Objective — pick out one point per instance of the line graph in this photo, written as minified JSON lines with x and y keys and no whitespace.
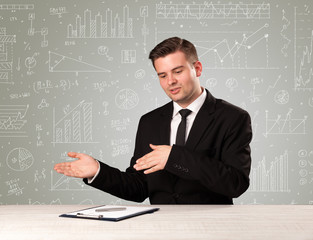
{"x":233,"y":54}
{"x":285,"y":125}
{"x":303,"y":48}
{"x":213,"y":11}
{"x":12,"y":120}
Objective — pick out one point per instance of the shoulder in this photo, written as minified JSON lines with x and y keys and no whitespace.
{"x":165,"y":110}
{"x":229,"y":108}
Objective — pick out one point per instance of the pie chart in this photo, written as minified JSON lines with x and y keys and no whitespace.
{"x":20,"y":159}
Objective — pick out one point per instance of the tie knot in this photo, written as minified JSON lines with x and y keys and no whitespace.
{"x":184,"y":112}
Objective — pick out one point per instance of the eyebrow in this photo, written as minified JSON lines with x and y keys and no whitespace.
{"x":175,"y":68}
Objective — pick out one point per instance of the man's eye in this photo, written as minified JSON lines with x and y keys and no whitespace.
{"x":161,"y":76}
{"x":178,"y":71}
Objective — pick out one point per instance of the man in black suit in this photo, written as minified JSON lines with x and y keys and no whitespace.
{"x":208,"y":163}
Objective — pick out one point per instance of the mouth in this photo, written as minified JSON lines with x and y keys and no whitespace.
{"x":174,"y":90}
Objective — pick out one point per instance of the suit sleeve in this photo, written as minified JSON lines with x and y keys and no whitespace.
{"x":229,"y":174}
{"x":130,"y":185}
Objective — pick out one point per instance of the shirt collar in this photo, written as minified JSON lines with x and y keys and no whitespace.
{"x":194,"y":106}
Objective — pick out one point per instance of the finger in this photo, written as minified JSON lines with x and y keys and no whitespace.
{"x":72,"y":154}
{"x":151,"y":170}
{"x":153,"y":146}
{"x":143,"y":159}
{"x":147,"y":165}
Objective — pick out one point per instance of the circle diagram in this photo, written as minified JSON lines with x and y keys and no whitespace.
{"x":20,"y":159}
{"x":126,"y":99}
{"x":282,"y":97}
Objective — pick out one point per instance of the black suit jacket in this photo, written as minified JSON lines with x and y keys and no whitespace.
{"x":212,"y":168}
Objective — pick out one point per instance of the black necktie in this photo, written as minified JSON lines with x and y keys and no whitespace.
{"x":181,"y":130}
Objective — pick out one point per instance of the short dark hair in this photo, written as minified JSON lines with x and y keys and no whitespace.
{"x":172,"y":45}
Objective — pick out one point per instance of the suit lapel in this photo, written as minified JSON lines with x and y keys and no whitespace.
{"x":202,"y":121}
{"x":165,"y":123}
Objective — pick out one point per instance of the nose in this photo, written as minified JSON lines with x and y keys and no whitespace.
{"x":171,"y":79}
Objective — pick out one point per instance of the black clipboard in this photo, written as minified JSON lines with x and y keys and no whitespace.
{"x":110,"y":212}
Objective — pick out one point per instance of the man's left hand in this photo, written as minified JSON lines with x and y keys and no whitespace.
{"x":155,"y":160}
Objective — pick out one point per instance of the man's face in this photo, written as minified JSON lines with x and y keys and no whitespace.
{"x":179,"y":78}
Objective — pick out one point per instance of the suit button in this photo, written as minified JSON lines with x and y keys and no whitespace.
{"x":176,"y":195}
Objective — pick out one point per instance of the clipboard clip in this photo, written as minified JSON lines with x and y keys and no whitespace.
{"x":88,"y":215}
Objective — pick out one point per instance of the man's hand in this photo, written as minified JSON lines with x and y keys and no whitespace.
{"x":155,"y":160}
{"x":84,"y":167}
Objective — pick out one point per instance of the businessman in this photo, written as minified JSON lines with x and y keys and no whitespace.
{"x":193,"y":150}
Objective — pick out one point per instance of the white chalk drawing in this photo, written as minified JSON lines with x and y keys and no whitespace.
{"x":30,"y":63}
{"x":43,"y":104}
{"x":255,"y":97}
{"x":144,"y":30}
{"x":47,"y":85}
{"x":271,"y":178}
{"x":273,"y":86}
{"x":61,"y":63}
{"x":103,"y":50}
{"x":120,"y":124}
{"x":102,"y":26}
{"x":285,"y":125}
{"x":19,"y":159}
{"x":213,"y":11}
{"x":128,"y":56}
{"x":283,"y":34}
{"x":126,"y":99}
{"x":282,"y":97}
{"x":75,"y":126}
{"x":231,"y":83}
{"x":12,"y":120}
{"x":305,"y":167}
{"x":140,"y":74}
{"x":16,"y":7}
{"x":303,"y":48}
{"x":211,"y":83}
{"x":14,"y":187}
{"x":32,"y":31}
{"x":57,"y":11}
{"x":236,"y":54}
{"x":63,"y":183}
{"x":6,"y":56}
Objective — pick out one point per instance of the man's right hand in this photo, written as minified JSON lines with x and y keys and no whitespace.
{"x":84,"y":167}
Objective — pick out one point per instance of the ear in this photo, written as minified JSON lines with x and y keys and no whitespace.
{"x":198,"y":68}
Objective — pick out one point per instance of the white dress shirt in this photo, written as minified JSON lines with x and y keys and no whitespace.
{"x":194,"y":107}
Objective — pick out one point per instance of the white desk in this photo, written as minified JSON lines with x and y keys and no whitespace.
{"x":170,"y":222}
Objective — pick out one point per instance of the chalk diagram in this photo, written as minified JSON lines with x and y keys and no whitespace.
{"x":213,"y":11}
{"x":236,"y":54}
{"x":273,"y":178}
{"x":6,"y":55}
{"x":126,"y":99}
{"x":284,"y":125}
{"x":75,"y":126}
{"x":12,"y":120}
{"x":61,"y":63}
{"x":20,"y":159}
{"x":306,"y":167}
{"x":281,"y":97}
{"x":65,"y":183}
{"x":303,"y":48}
{"x":102,"y":26}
